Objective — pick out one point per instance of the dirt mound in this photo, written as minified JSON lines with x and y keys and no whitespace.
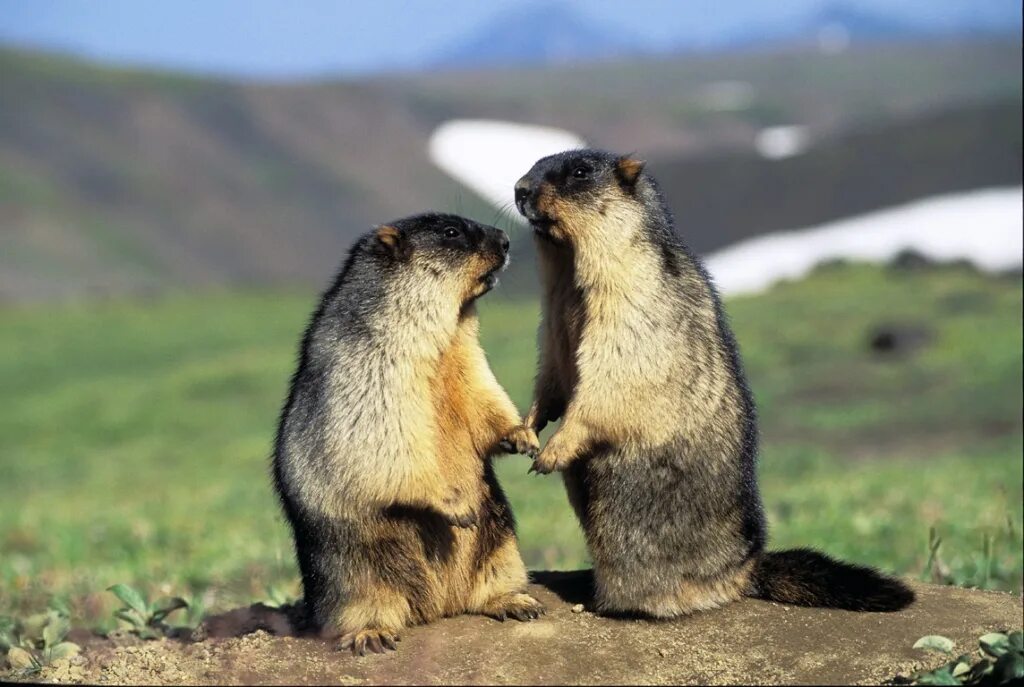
{"x":747,"y":641}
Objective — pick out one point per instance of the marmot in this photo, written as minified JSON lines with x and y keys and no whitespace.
{"x":658,"y":440}
{"x":382,"y":457}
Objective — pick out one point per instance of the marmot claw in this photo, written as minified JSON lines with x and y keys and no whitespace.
{"x":521,"y":439}
{"x":372,"y":641}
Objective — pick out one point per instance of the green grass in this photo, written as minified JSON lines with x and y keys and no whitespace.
{"x":135,"y":437}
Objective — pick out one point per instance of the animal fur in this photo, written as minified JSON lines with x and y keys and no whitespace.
{"x":382,"y":459}
{"x":658,"y":439}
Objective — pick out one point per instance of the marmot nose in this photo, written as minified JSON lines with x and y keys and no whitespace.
{"x":522,"y":191}
{"x":503,"y":242}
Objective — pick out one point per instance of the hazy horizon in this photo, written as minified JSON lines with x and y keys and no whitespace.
{"x":269,"y":39}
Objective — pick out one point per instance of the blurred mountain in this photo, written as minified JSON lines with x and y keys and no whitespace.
{"x":124,"y":181}
{"x":835,"y":26}
{"x":860,"y":23}
{"x":554,"y":34}
{"x":311,"y":40}
{"x":537,"y":34}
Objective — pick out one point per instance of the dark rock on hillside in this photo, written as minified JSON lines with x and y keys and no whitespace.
{"x":899,"y":338}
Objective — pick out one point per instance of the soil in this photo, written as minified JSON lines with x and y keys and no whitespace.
{"x":749,"y":641}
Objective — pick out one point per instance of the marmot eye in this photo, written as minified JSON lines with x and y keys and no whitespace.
{"x":581,"y":172}
{"x":451,"y":232}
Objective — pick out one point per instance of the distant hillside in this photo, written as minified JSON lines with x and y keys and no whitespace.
{"x":674,"y":106}
{"x":719,"y":200}
{"x":115,"y":181}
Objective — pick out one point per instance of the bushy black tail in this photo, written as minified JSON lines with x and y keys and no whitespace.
{"x":804,"y":577}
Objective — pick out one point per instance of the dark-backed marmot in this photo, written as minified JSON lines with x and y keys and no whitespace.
{"x":382,"y":457}
{"x":658,"y":439}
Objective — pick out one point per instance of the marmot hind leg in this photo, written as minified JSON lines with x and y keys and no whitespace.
{"x":669,"y":598}
{"x":372,"y":622}
{"x":515,"y":605}
{"x":500,"y":584}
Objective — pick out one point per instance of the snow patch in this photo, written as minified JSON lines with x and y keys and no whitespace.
{"x":777,"y":142}
{"x":984,"y":227}
{"x":489,"y":156}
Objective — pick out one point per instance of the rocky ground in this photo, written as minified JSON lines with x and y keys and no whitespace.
{"x":748,"y":641}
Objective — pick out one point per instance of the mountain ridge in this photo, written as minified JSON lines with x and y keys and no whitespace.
{"x":555,"y":34}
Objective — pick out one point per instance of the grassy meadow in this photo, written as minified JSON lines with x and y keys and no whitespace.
{"x":135,"y":436}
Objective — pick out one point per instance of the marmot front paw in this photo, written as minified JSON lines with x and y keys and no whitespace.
{"x":557,"y":455}
{"x":521,"y":439}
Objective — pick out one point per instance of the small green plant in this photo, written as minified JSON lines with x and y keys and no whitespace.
{"x":36,"y":641}
{"x":277,"y":598}
{"x":985,"y":564}
{"x":933,"y":567}
{"x":144,"y":619}
{"x":195,"y":612}
{"x":983,"y":568}
{"x":998,"y":661}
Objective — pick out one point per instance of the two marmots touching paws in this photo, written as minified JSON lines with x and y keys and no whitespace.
{"x":383,"y":453}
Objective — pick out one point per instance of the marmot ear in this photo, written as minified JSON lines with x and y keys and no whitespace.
{"x":390,"y":239}
{"x":627,"y":171}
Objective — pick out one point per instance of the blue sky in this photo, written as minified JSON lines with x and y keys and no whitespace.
{"x":277,"y":38}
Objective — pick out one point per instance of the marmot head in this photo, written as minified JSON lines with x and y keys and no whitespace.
{"x":448,"y":253}
{"x":583,"y":196}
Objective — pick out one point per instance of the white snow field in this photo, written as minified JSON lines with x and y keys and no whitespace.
{"x":984,"y":227}
{"x":489,"y":156}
